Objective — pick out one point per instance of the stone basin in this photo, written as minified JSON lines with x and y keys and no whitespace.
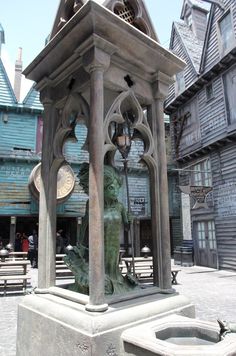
{"x":176,"y":335}
{"x":194,"y":335}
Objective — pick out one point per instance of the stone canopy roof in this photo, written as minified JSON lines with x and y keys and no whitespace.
{"x":141,"y":19}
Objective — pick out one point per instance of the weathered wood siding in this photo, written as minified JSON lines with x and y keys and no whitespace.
{"x":213,"y":49}
{"x":199,"y":21}
{"x":19,"y":132}
{"x":224,"y":192}
{"x":212,"y":114}
{"x":176,"y":232}
{"x":15,"y":197}
{"x":174,"y":211}
{"x":191,"y":136}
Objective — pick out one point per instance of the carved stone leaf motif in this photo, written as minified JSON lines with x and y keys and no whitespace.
{"x":83,"y":347}
{"x":111,"y":351}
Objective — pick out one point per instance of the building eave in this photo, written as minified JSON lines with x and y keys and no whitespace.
{"x":194,"y":88}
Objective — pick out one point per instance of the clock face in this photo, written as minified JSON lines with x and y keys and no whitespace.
{"x":65,"y":181}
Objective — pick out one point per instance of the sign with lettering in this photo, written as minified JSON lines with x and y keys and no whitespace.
{"x":199,"y":194}
{"x":138,"y":205}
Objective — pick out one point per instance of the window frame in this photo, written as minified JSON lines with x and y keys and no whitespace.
{"x":199,"y":175}
{"x":179,"y":83}
{"x":223,"y":51}
{"x":209,"y":98}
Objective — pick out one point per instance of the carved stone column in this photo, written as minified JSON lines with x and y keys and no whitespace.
{"x":47,"y":206}
{"x":160,"y":89}
{"x":96,"y":62}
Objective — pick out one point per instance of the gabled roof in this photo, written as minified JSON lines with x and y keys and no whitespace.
{"x":32,"y":100}
{"x":7,"y":96}
{"x":191,"y":43}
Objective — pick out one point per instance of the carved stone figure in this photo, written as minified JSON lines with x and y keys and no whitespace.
{"x":115,"y":215}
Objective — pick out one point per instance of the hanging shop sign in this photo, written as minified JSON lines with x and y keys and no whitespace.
{"x":198,"y":193}
{"x":65,"y":182}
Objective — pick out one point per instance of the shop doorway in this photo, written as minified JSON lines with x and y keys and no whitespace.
{"x":205,"y":243}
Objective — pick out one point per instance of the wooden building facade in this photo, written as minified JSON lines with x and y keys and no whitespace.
{"x":202,"y":109}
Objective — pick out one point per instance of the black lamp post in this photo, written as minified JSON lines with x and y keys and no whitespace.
{"x":122,"y":139}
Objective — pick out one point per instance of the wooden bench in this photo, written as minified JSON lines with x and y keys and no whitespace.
{"x":143,"y":268}
{"x":19,"y":279}
{"x":18,"y":255}
{"x":174,"y":273}
{"x":14,"y":272}
{"x":62,"y":271}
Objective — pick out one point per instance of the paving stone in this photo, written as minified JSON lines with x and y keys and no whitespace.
{"x":211,"y":291}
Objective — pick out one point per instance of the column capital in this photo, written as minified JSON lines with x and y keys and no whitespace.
{"x":96,"y":59}
{"x":96,"y":53}
{"x":46,"y":96}
{"x":160,"y":86}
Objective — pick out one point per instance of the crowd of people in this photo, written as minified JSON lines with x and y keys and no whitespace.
{"x":29,"y":244}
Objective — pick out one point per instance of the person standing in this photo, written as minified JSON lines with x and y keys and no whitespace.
{"x":25,"y":243}
{"x":59,"y":242}
{"x":18,"y":247}
{"x":33,"y":249}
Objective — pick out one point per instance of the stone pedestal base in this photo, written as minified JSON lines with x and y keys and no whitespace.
{"x":50,"y":325}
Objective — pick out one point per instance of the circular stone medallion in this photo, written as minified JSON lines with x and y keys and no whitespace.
{"x":65,"y":182}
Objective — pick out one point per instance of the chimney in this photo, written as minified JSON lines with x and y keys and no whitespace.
{"x":2,"y":38}
{"x":18,"y":73}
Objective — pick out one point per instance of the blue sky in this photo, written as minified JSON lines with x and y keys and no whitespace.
{"x":27,"y":23}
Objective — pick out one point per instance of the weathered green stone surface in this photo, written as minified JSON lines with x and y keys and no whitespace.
{"x":115,"y":215}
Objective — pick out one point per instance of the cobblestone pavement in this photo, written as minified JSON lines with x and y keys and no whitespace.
{"x":212,"y":292}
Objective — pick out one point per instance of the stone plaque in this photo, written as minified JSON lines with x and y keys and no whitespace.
{"x":65,"y":182}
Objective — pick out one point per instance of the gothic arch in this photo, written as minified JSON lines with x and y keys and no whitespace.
{"x":128,"y":101}
{"x":75,"y":110}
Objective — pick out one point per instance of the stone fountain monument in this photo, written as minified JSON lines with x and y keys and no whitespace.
{"x":103,"y":60}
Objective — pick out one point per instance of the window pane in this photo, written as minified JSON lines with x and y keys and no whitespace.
{"x":211,"y":234}
{"x":180,"y":83}
{"x":226,"y":31}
